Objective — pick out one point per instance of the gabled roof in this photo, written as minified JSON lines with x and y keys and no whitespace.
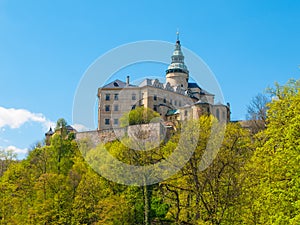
{"x":193,"y":85}
{"x":117,"y":84}
{"x":70,"y":129}
{"x":146,"y":82}
{"x":202,"y":91}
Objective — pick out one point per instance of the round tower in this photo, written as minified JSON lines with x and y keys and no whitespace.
{"x":177,"y":73}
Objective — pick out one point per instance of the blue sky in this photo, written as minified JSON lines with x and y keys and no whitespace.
{"x":46,"y":46}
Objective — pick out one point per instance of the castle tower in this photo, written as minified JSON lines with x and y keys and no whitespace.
{"x":177,"y":73}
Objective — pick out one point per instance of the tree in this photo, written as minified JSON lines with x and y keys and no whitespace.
{"x":208,"y":196}
{"x":6,"y":158}
{"x":257,"y":112}
{"x":41,"y":189}
{"x":139,"y":115}
{"x":16,"y":193}
{"x":272,"y":185}
{"x":61,"y":124}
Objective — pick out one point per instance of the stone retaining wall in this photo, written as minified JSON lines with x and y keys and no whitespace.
{"x":150,"y":133}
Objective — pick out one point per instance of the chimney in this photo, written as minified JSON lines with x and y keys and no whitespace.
{"x":127,"y":80}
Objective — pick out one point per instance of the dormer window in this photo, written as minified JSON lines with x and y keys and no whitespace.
{"x":116,"y":84}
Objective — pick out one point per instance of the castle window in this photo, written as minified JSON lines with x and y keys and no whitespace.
{"x":116,"y":108}
{"x":155,"y":108}
{"x":154,"y":97}
{"x":107,"y":97}
{"x":175,"y":102}
{"x":116,"y":121}
{"x":165,"y":100}
{"x":218,"y":114}
{"x":133,"y":106}
{"x":107,"y":108}
{"x":179,"y":103}
{"x":133,"y":97}
{"x":116,"y":97}
{"x":171,"y":101}
{"x":185,"y":112}
{"x":107,"y":121}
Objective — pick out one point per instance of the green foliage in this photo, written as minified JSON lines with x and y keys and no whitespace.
{"x":254,"y":178}
{"x":140,"y":115}
{"x":6,"y":158}
{"x":61,"y":123}
{"x":54,"y":185}
{"x":272,"y":186}
{"x":159,"y":208}
{"x":209,"y":196}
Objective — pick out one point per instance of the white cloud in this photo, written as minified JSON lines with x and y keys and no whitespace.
{"x":80,"y":127}
{"x":15,"y":118}
{"x":16,"y":150}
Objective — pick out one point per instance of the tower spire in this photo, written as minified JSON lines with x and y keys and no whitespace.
{"x":177,"y":73}
{"x":177,"y":35}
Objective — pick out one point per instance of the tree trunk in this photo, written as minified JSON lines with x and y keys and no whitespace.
{"x":146,"y":205}
{"x":147,"y":192}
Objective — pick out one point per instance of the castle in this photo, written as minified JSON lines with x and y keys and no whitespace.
{"x":175,"y":100}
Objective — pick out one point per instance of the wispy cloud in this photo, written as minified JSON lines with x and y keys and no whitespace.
{"x":16,"y":150}
{"x":80,"y":127}
{"x":13,"y":152}
{"x":15,"y":118}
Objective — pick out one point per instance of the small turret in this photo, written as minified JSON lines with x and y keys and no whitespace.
{"x":48,"y":135}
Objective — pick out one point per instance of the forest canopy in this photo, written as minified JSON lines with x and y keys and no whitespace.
{"x":254,"y":179}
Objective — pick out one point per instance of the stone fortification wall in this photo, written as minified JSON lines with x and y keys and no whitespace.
{"x":152,"y":132}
